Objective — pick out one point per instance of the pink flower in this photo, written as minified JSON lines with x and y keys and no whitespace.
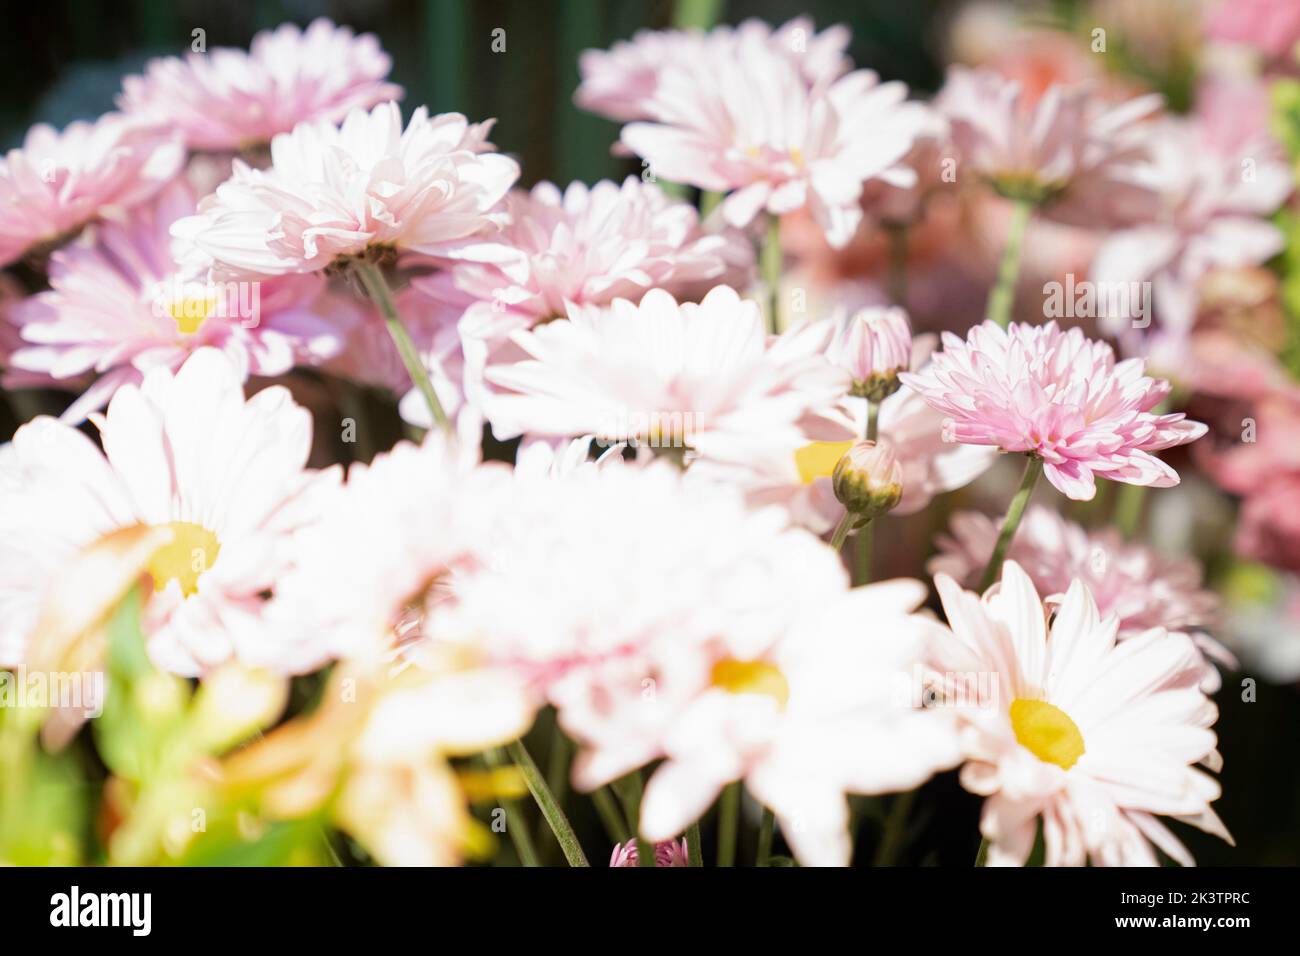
{"x":1142,"y":588}
{"x":747,"y":122}
{"x":226,"y":99}
{"x":121,"y":305}
{"x":873,"y":345}
{"x":667,"y":853}
{"x":1067,"y":147}
{"x":339,"y":191}
{"x":58,"y":182}
{"x":1270,"y":26}
{"x":621,"y":82}
{"x":1057,"y":395}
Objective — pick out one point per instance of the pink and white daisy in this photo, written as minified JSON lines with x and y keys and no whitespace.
{"x":620,"y":83}
{"x":669,"y":853}
{"x":1057,"y":395}
{"x":1141,"y":588}
{"x":185,"y":453}
{"x":368,"y":185}
{"x":748,"y":123}
{"x":1095,"y":738}
{"x":228,"y":99}
{"x":121,"y":305}
{"x":60,"y":181}
{"x":699,"y":376}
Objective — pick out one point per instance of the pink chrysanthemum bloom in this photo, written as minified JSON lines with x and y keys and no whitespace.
{"x":1096,"y":738}
{"x":227,"y":99}
{"x":1060,"y":396}
{"x":121,"y":305}
{"x":188,"y":454}
{"x":703,"y":377}
{"x":873,"y":345}
{"x":1141,"y":588}
{"x":334,"y":192}
{"x":620,"y":82}
{"x":747,"y":122}
{"x":667,"y":853}
{"x":1067,"y":150}
{"x":58,"y":182}
{"x":585,"y":246}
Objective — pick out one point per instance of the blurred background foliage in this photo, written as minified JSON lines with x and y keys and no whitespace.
{"x":64,"y":60}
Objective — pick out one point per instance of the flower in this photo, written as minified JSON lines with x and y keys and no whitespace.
{"x":873,"y":345}
{"x":620,"y":83}
{"x":585,"y":246}
{"x":1094,"y":737}
{"x":1270,"y":26}
{"x":667,"y":853}
{"x":1067,"y":147}
{"x":1141,"y":588}
{"x":121,"y":305}
{"x":339,"y":191}
{"x":226,"y":99}
{"x":58,"y":182}
{"x":1057,"y":395}
{"x":868,"y":480}
{"x":745,"y":121}
{"x":703,"y":377}
{"x":185,"y":453}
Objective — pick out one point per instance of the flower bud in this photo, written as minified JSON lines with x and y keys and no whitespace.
{"x":873,"y":345}
{"x":868,"y":480}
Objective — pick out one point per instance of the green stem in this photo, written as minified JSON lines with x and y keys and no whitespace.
{"x":610,"y":815}
{"x":766,"y":829}
{"x":557,"y":773}
{"x":895,"y":829}
{"x":629,"y":791}
{"x":873,"y":420}
{"x":694,"y":851}
{"x":842,"y":530}
{"x":1015,"y":511}
{"x":559,"y":823}
{"x":982,"y":857}
{"x":709,"y":201}
{"x":770,"y":262}
{"x":897,"y":281}
{"x":696,"y":14}
{"x":728,"y":824}
{"x":516,"y":825}
{"x":1004,"y":292}
{"x":372,"y":277}
{"x":865,"y":539}
{"x":1128,"y":509}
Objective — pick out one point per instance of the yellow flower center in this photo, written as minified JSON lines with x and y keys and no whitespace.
{"x":1047,"y":732}
{"x":818,"y":459}
{"x":751,"y":677}
{"x":191,"y":312}
{"x":193,"y":549}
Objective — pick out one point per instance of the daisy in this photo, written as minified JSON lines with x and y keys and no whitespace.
{"x":1093,"y":737}
{"x":1141,"y":588}
{"x":335,"y":192}
{"x":669,"y":853}
{"x":226,"y":99}
{"x":59,"y":181}
{"x":746,"y":122}
{"x":620,"y":83}
{"x":185,"y":453}
{"x":1058,"y":396}
{"x":873,"y":345}
{"x":121,"y":305}
{"x":703,"y":377}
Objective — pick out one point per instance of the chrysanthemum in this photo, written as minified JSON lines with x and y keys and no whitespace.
{"x":1141,"y":588}
{"x":1093,"y":737}
{"x":1059,"y":396}
{"x":747,"y":122}
{"x":620,"y":82}
{"x":186,"y":453}
{"x":338,"y":191}
{"x":669,"y":853}
{"x":699,"y":376}
{"x":1067,"y":148}
{"x":228,"y":99}
{"x":59,"y":181}
{"x":121,"y":305}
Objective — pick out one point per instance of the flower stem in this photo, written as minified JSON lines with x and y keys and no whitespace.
{"x":982,"y":857}
{"x":873,"y":420}
{"x":1004,"y":292}
{"x":372,"y":277}
{"x":865,"y":538}
{"x":1015,"y":511}
{"x":766,"y":828}
{"x":1128,"y":509}
{"x":895,"y":829}
{"x":516,"y":825}
{"x":559,"y":823}
{"x":610,"y":815}
{"x":770,"y":261}
{"x":728,"y":824}
{"x":629,"y":791}
{"x":842,"y":530}
{"x":694,"y":852}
